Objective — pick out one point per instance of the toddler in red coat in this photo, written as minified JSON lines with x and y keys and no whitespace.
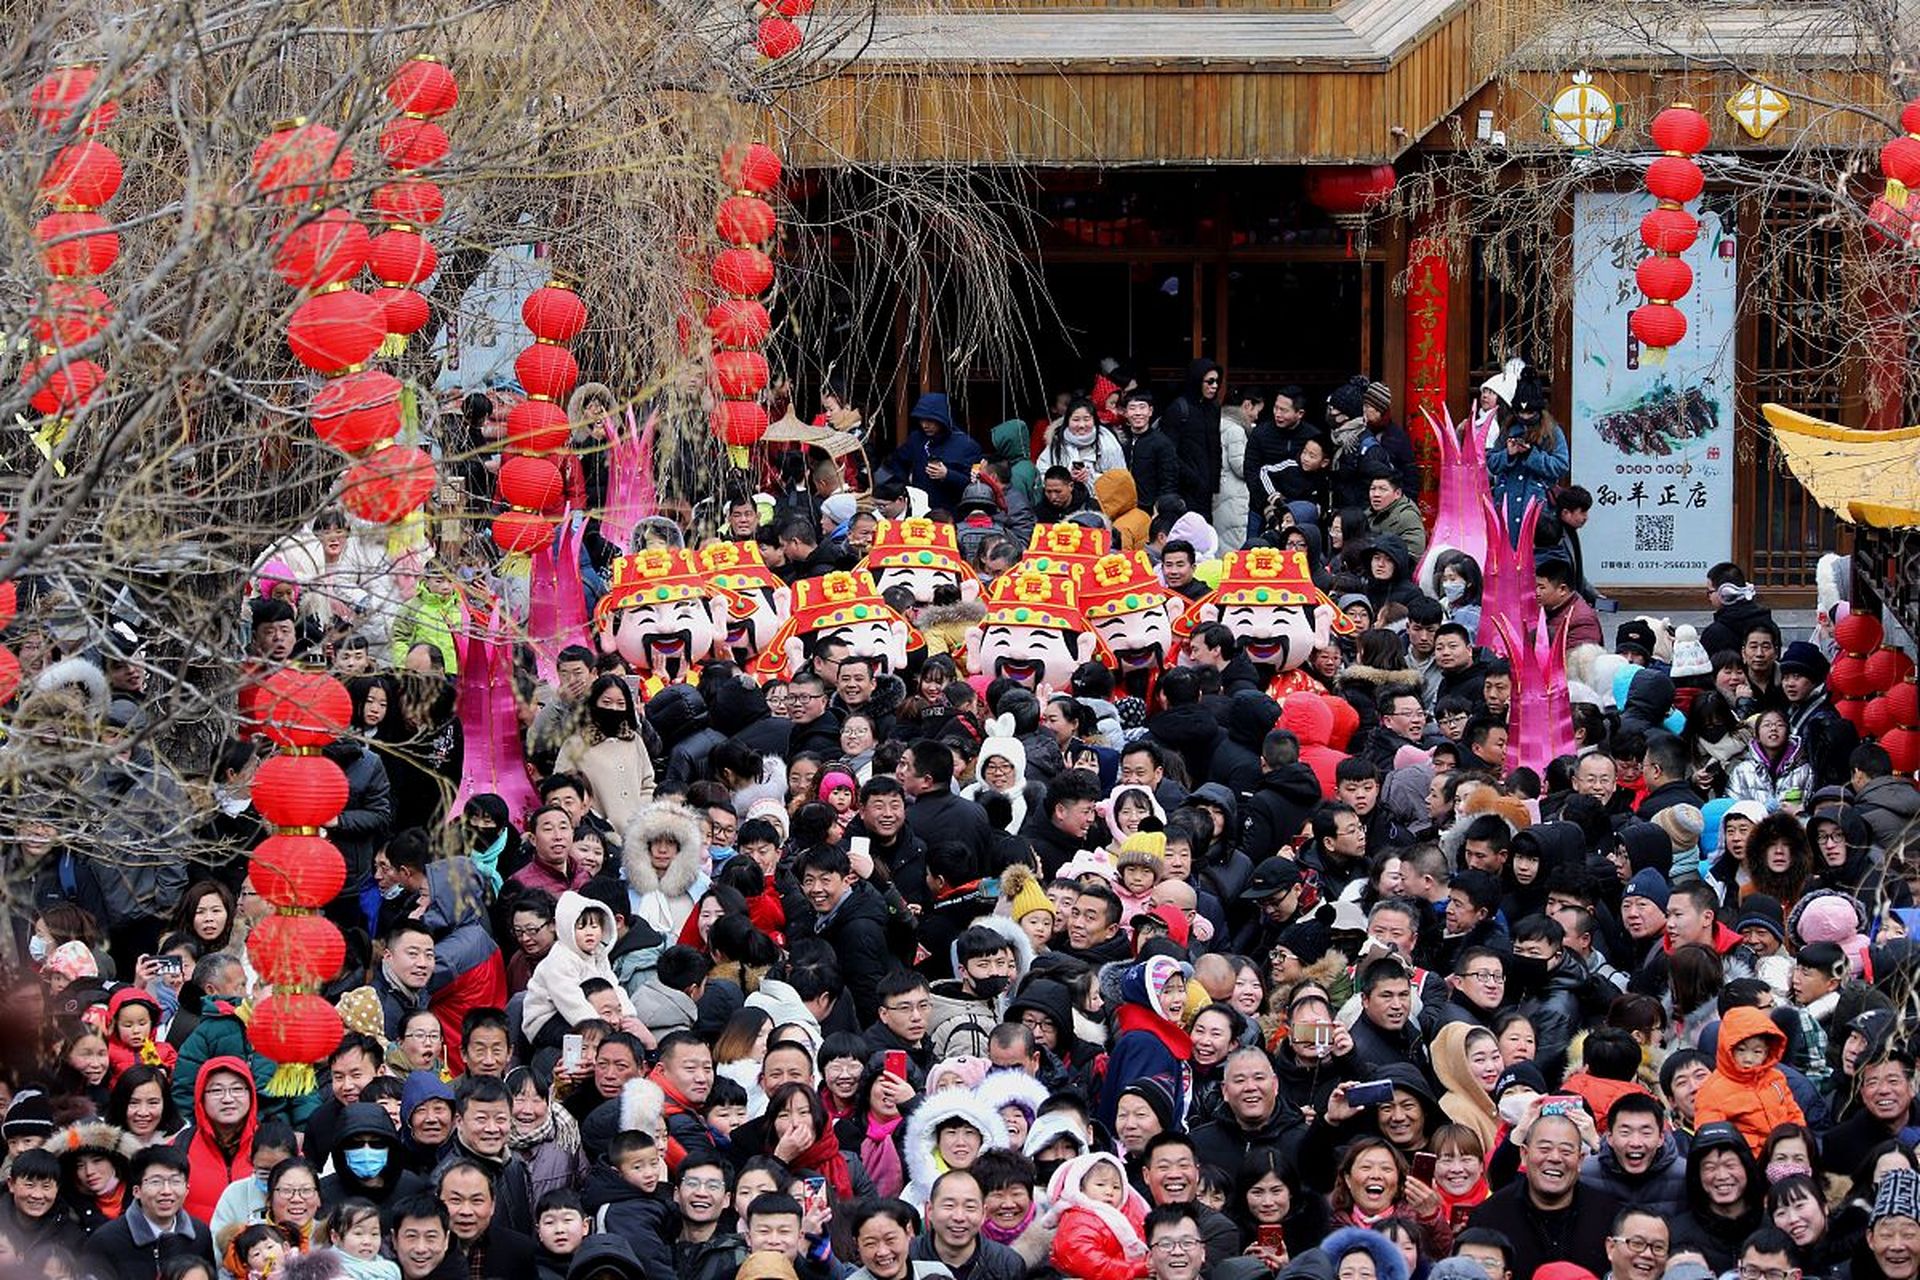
{"x":1102,"y":1232}
{"x":133,"y":1028}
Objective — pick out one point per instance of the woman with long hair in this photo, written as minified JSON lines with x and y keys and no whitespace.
{"x":141,"y":1105}
{"x":377,"y":713}
{"x":205,"y":914}
{"x":797,"y":1134}
{"x":1082,"y":445}
{"x":608,"y":753}
{"x":1695,"y":976}
{"x":1458,"y":579}
{"x":740,"y":1046}
{"x":876,"y":1125}
{"x":1263,"y":1197}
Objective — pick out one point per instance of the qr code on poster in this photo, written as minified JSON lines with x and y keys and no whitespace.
{"x":1653,"y":533}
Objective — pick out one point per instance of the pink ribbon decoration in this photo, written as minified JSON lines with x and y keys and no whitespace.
{"x":631,"y":495}
{"x":491,"y":722}
{"x":556,"y":598}
{"x":1507,"y":592}
{"x":1457,"y":523}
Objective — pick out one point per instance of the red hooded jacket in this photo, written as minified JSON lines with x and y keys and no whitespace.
{"x":213,"y":1169}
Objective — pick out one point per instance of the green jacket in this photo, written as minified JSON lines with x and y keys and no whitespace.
{"x":428,"y":619}
{"x":1012,"y":444}
{"x":222,"y":1033}
{"x":1402,"y":520}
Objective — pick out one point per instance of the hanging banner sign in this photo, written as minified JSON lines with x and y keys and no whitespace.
{"x":1653,"y":442}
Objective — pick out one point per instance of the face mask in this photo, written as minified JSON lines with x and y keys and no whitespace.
{"x":989,"y":988}
{"x":393,"y":891}
{"x":1526,"y":973}
{"x":1513,"y":1105}
{"x":719,"y":853}
{"x":38,"y":947}
{"x":260,"y":1180}
{"x":1453,"y":590}
{"x":610,"y":721}
{"x":366,"y":1162}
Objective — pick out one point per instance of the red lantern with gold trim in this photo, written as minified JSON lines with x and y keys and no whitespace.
{"x":407,"y":312}
{"x":328,"y":249}
{"x":85,"y":175}
{"x":70,"y":384}
{"x":297,"y":871}
{"x":414,"y":201}
{"x":1675,"y":178}
{"x":1662,"y":278}
{"x":1900,"y":160}
{"x":1886,"y":668}
{"x":331,"y":332}
{"x":554,"y":312}
{"x":300,"y":162}
{"x":358,"y":411}
{"x":296,"y":1030}
{"x":740,"y":422}
{"x":777,"y":38}
{"x":295,"y":950}
{"x":65,"y":90}
{"x":1658,"y":324}
{"x":521,"y":532}
{"x":70,"y":314}
{"x":745,"y":221}
{"x":411,"y":145}
{"x":742,"y":272}
{"x":299,"y":790}
{"x":423,"y":87}
{"x":1668,"y":230}
{"x":76,"y":244}
{"x":537,"y":426}
{"x":303,"y":708}
{"x":1903,"y":746}
{"x":1848,"y":677}
{"x":1903,"y":703}
{"x":1858,"y":633}
{"x":738,"y":322}
{"x":547,"y":369}
{"x":739,"y":375}
{"x":401,"y":256}
{"x":1681,"y":128}
{"x":532,"y":483}
{"x":1346,"y":192}
{"x":753,"y":169}
{"x":388,"y":485}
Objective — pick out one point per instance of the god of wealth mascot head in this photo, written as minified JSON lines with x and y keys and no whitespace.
{"x":1034,"y":632}
{"x":1133,"y":614}
{"x":837,"y":606}
{"x":768,"y":602}
{"x":922,"y":556}
{"x":1267,"y":599}
{"x":1064,"y":549}
{"x":664,"y":614}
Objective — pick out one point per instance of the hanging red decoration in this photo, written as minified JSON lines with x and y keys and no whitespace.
{"x":358,"y":411}
{"x":738,"y":322}
{"x":1886,"y":668}
{"x":745,"y":221}
{"x":332,"y":332}
{"x":752,"y":170}
{"x":793,"y":8}
{"x":9,"y":673}
{"x":1903,"y":746}
{"x":407,"y":312}
{"x":303,"y":708}
{"x":410,"y":145}
{"x":1657,"y":324}
{"x":536,"y":426}
{"x":389,"y":484}
{"x":1900,"y":161}
{"x":401,"y":257}
{"x":299,"y":790}
{"x":295,"y":1029}
{"x":69,"y":314}
{"x":299,"y":163}
{"x":1903,"y":704}
{"x":423,"y":87}
{"x":547,"y":369}
{"x":69,"y":386}
{"x":521,"y":532}
{"x":1848,"y":677}
{"x":62,"y":92}
{"x":742,"y":272}
{"x":740,"y":422}
{"x":298,"y":949}
{"x":1858,"y":633}
{"x":413,"y":201}
{"x":1669,"y":230}
{"x":777,"y":38}
{"x":1663,"y":279}
{"x":1681,"y":129}
{"x":1346,"y":192}
{"x":739,"y":375}
{"x":321,"y":251}
{"x":1853,"y":711}
{"x":1877,"y":719}
{"x":1665,"y":230}
{"x":1675,"y":178}
{"x":297,"y":870}
{"x":532,"y":483}
{"x":83,"y":176}
{"x":554,"y":312}
{"x":76,"y":244}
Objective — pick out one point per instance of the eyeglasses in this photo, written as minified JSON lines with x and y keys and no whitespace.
{"x":1488,"y":976}
{"x":524,"y":932}
{"x":297,"y":1193}
{"x":917,"y":1006}
{"x":704,"y":1184}
{"x":1751,"y":1272}
{"x":1658,"y":1249}
{"x":226,"y":1093}
{"x":163,"y":1182}
{"x":423,"y":1034}
{"x":1187,"y":1244}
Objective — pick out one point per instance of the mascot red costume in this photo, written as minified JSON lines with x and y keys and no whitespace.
{"x":1268,"y":600}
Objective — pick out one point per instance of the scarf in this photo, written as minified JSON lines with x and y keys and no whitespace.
{"x":882,"y":1158}
{"x":1004,"y":1235}
{"x":560,"y":1128}
{"x":1371,"y":1221}
{"x":488,"y":859}
{"x":1347,"y":438}
{"x":824,"y":1157}
{"x":1080,"y":439}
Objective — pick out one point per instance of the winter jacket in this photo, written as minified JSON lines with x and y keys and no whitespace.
{"x":468,"y":970}
{"x":128,"y":1248}
{"x":618,"y":769}
{"x":134,"y":857}
{"x":1154,"y":462}
{"x":1230,"y":503}
{"x":1400,"y":519}
{"x":990,"y":1261}
{"x":1531,"y":477}
{"x":1277,"y":808}
{"x":1148,"y":1044}
{"x":215,"y":1166}
{"x":1010,"y":445}
{"x":396,"y":1182}
{"x":555,"y":987}
{"x":645,"y":1220}
{"x":1556,"y":1014}
{"x":1192,"y":422}
{"x":364,"y":825}
{"x":664,"y":1009}
{"x":1757,"y":778}
{"x":1310,"y":719}
{"x":1115,"y":489}
{"x":1576,"y":1234}
{"x":1575,"y":624}
{"x":856,"y":929}
{"x":944,"y":815}
{"x":1890,"y":805}
{"x":220,"y":1033}
{"x":1100,"y":456}
{"x":428,"y":619}
{"x":664,"y":899}
{"x":946,"y":445}
{"x":1754,"y":1099}
{"x":1730,"y":625}
{"x":1661,"y":1189}
{"x":1827,"y":736}
{"x":121,"y":1055}
{"x":1192,"y":732}
{"x":1096,"y":1242}
{"x":1251,"y":715}
{"x":1465,"y":1101}
{"x":920,"y":1145}
{"x":679,"y":715}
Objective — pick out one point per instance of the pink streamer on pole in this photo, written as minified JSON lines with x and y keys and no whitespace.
{"x":491,"y":722}
{"x":1540,"y":717}
{"x":1507,"y":592}
{"x":556,"y":602}
{"x":631,"y":495}
{"x":1457,"y":523}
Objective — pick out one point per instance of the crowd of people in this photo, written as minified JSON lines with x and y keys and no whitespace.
{"x":858,"y":973}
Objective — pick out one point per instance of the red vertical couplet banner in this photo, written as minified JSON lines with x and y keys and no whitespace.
{"x":1428,"y":287}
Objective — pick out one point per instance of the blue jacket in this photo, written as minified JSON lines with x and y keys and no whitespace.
{"x":955,"y":448}
{"x":1530,"y":477}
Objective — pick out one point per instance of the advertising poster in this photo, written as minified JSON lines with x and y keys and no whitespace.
{"x":1653,"y":442}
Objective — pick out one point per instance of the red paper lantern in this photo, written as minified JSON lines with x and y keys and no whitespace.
{"x":1345,"y":192}
{"x":1886,"y":668}
{"x":742,"y":272}
{"x":321,"y":251}
{"x":777,"y":38}
{"x":70,"y":314}
{"x":389,"y":485}
{"x":1859,"y":633}
{"x":1910,"y":117}
{"x":9,"y":673}
{"x":86,"y":175}
{"x":740,"y":422}
{"x":401,"y":257}
{"x":1903,"y":745}
{"x":753,"y":169}
{"x":793,"y":8}
{"x":295,"y":1027}
{"x":1903,"y":704}
{"x":9,"y":604}
{"x":76,"y":244}
{"x":414,"y":201}
{"x":1848,"y":677}
{"x":1668,"y":230}
{"x":1663,"y":279}
{"x":738,"y":322}
{"x":300,"y":162}
{"x":745,"y":221}
{"x":330,"y":332}
{"x":358,"y":411}
{"x":410,"y":144}
{"x":62,"y":92}
{"x":1900,"y":161}
{"x":70,"y":384}
{"x":406,"y":311}
{"x":547,"y":369}
{"x":423,"y":87}
{"x":521,"y":532}
{"x":299,"y":790}
{"x":1877,"y":719}
{"x":537,"y":426}
{"x":1681,"y":128}
{"x":739,"y":375}
{"x":1675,"y":178}
{"x":534,"y":484}
{"x":303,"y":708}
{"x":1853,"y":711}
{"x":297,"y":871}
{"x":1657,"y":324}
{"x":294,"y":950}
{"x":554,"y":312}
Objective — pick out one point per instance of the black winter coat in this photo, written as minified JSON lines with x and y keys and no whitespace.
{"x":857,"y":932}
{"x":1577,"y":1234}
{"x":1192,"y":422}
{"x":1154,"y":461}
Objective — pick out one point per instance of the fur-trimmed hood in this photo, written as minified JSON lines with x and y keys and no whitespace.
{"x":676,"y":823}
{"x":1012,"y":1088}
{"x":96,"y":1138}
{"x":643,"y":1106}
{"x":923,"y":1165}
{"x":1010,"y":929}
{"x":941,"y":617}
{"x":1380,"y":678}
{"x":78,"y":674}
{"x":1388,"y":1264}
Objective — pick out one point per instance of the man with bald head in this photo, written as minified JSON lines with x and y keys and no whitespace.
{"x":1547,"y":1214}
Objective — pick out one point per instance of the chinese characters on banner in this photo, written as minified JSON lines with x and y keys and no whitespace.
{"x":1653,"y":443}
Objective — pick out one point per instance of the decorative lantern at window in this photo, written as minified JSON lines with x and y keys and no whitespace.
{"x":1673,"y":179}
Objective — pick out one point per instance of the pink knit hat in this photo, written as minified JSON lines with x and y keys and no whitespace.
{"x":837,"y":778}
{"x":73,"y":960}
